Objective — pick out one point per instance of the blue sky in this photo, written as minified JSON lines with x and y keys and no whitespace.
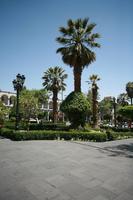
{"x":28,"y":29}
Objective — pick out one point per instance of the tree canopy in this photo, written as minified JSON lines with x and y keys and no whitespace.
{"x":78,"y":40}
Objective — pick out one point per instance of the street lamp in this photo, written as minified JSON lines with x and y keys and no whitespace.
{"x":18,"y":85}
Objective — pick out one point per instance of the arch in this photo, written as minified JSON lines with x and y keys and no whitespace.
{"x":12,"y":100}
{"x":50,"y":105}
{"x":4,"y":99}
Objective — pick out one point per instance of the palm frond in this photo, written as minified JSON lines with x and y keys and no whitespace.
{"x":85,"y":21}
{"x":54,"y":78}
{"x":63,"y":40}
{"x":77,"y":43}
{"x":90,"y":27}
{"x":70,"y":23}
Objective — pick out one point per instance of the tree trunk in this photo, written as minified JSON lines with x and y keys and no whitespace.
{"x":55,"y":108}
{"x":94,"y":107}
{"x":77,"y":79}
{"x":131,"y":101}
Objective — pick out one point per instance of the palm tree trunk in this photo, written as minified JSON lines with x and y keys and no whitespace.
{"x":94,"y":107}
{"x":55,"y":110}
{"x":77,"y":79}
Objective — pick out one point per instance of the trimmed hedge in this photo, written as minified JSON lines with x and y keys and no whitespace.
{"x":95,"y":136}
{"x":118,"y":135}
{"x":48,"y":126}
{"x":53,"y":135}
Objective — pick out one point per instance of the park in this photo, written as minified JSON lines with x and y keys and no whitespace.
{"x":64,"y":140}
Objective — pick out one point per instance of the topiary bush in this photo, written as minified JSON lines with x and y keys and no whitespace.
{"x":75,"y":106}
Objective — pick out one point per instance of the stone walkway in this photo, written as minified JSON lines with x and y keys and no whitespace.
{"x":59,"y":170}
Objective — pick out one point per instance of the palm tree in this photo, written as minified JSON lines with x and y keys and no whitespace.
{"x":78,"y":40}
{"x":129,"y":89}
{"x":54,"y":81}
{"x":94,"y":79}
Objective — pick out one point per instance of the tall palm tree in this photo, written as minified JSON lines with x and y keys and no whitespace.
{"x":129,"y":89}
{"x":78,"y":40}
{"x":54,"y":81}
{"x":94,"y":79}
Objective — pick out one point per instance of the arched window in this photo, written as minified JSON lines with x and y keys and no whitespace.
{"x":50,"y":105}
{"x":4,"y":99}
{"x":46,"y":105}
{"x":12,"y":100}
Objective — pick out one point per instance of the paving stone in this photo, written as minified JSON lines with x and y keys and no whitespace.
{"x":124,"y":196}
{"x":100,"y":197}
{"x":73,"y":189}
{"x":60,"y":170}
{"x":56,"y":180}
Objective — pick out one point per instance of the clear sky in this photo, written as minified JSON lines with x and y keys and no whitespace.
{"x":28,"y":29}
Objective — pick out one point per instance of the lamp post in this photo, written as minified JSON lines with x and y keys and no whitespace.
{"x":18,"y":85}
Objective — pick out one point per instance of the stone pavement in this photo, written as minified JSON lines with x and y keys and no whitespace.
{"x":60,"y":170}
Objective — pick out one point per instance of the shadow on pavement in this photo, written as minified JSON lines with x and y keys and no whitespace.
{"x":1,"y":137}
{"x":121,"y":150}
{"x":125,"y":150}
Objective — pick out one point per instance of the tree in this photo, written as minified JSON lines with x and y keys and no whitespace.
{"x":4,"y":111}
{"x":106,"y":108}
{"x":129,"y":89}
{"x":94,"y":78}
{"x":89,"y":98}
{"x":41,"y":95}
{"x":28,"y":106}
{"x":54,"y":81}
{"x":122,"y":99}
{"x":127,"y":112}
{"x":75,"y":106}
{"x":78,"y":40}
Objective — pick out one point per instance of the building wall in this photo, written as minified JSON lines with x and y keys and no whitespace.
{"x":7,"y":98}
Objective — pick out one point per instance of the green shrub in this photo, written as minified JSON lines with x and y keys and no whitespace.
{"x":111,"y":135}
{"x":118,"y":135}
{"x":75,"y":106}
{"x":9,"y":124}
{"x":122,"y":129}
{"x":91,"y":135}
{"x":126,"y":111}
{"x":48,"y":126}
{"x":53,"y":135}
{"x":7,"y":133}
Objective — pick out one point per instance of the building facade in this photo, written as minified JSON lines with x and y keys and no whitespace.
{"x":7,"y":98}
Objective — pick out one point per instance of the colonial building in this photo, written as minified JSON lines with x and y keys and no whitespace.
{"x":7,"y":98}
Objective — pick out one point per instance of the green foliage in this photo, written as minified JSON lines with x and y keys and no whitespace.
{"x":105,"y":107}
{"x":75,"y":106}
{"x":54,"y":79}
{"x":28,"y":105}
{"x":3,"y":113}
{"x":92,"y":135}
{"x":78,"y":40}
{"x":48,"y":126}
{"x":93,"y":79}
{"x":118,"y":135}
{"x":129,"y":89}
{"x":127,"y":112}
{"x":54,"y":135}
{"x":9,"y":124}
